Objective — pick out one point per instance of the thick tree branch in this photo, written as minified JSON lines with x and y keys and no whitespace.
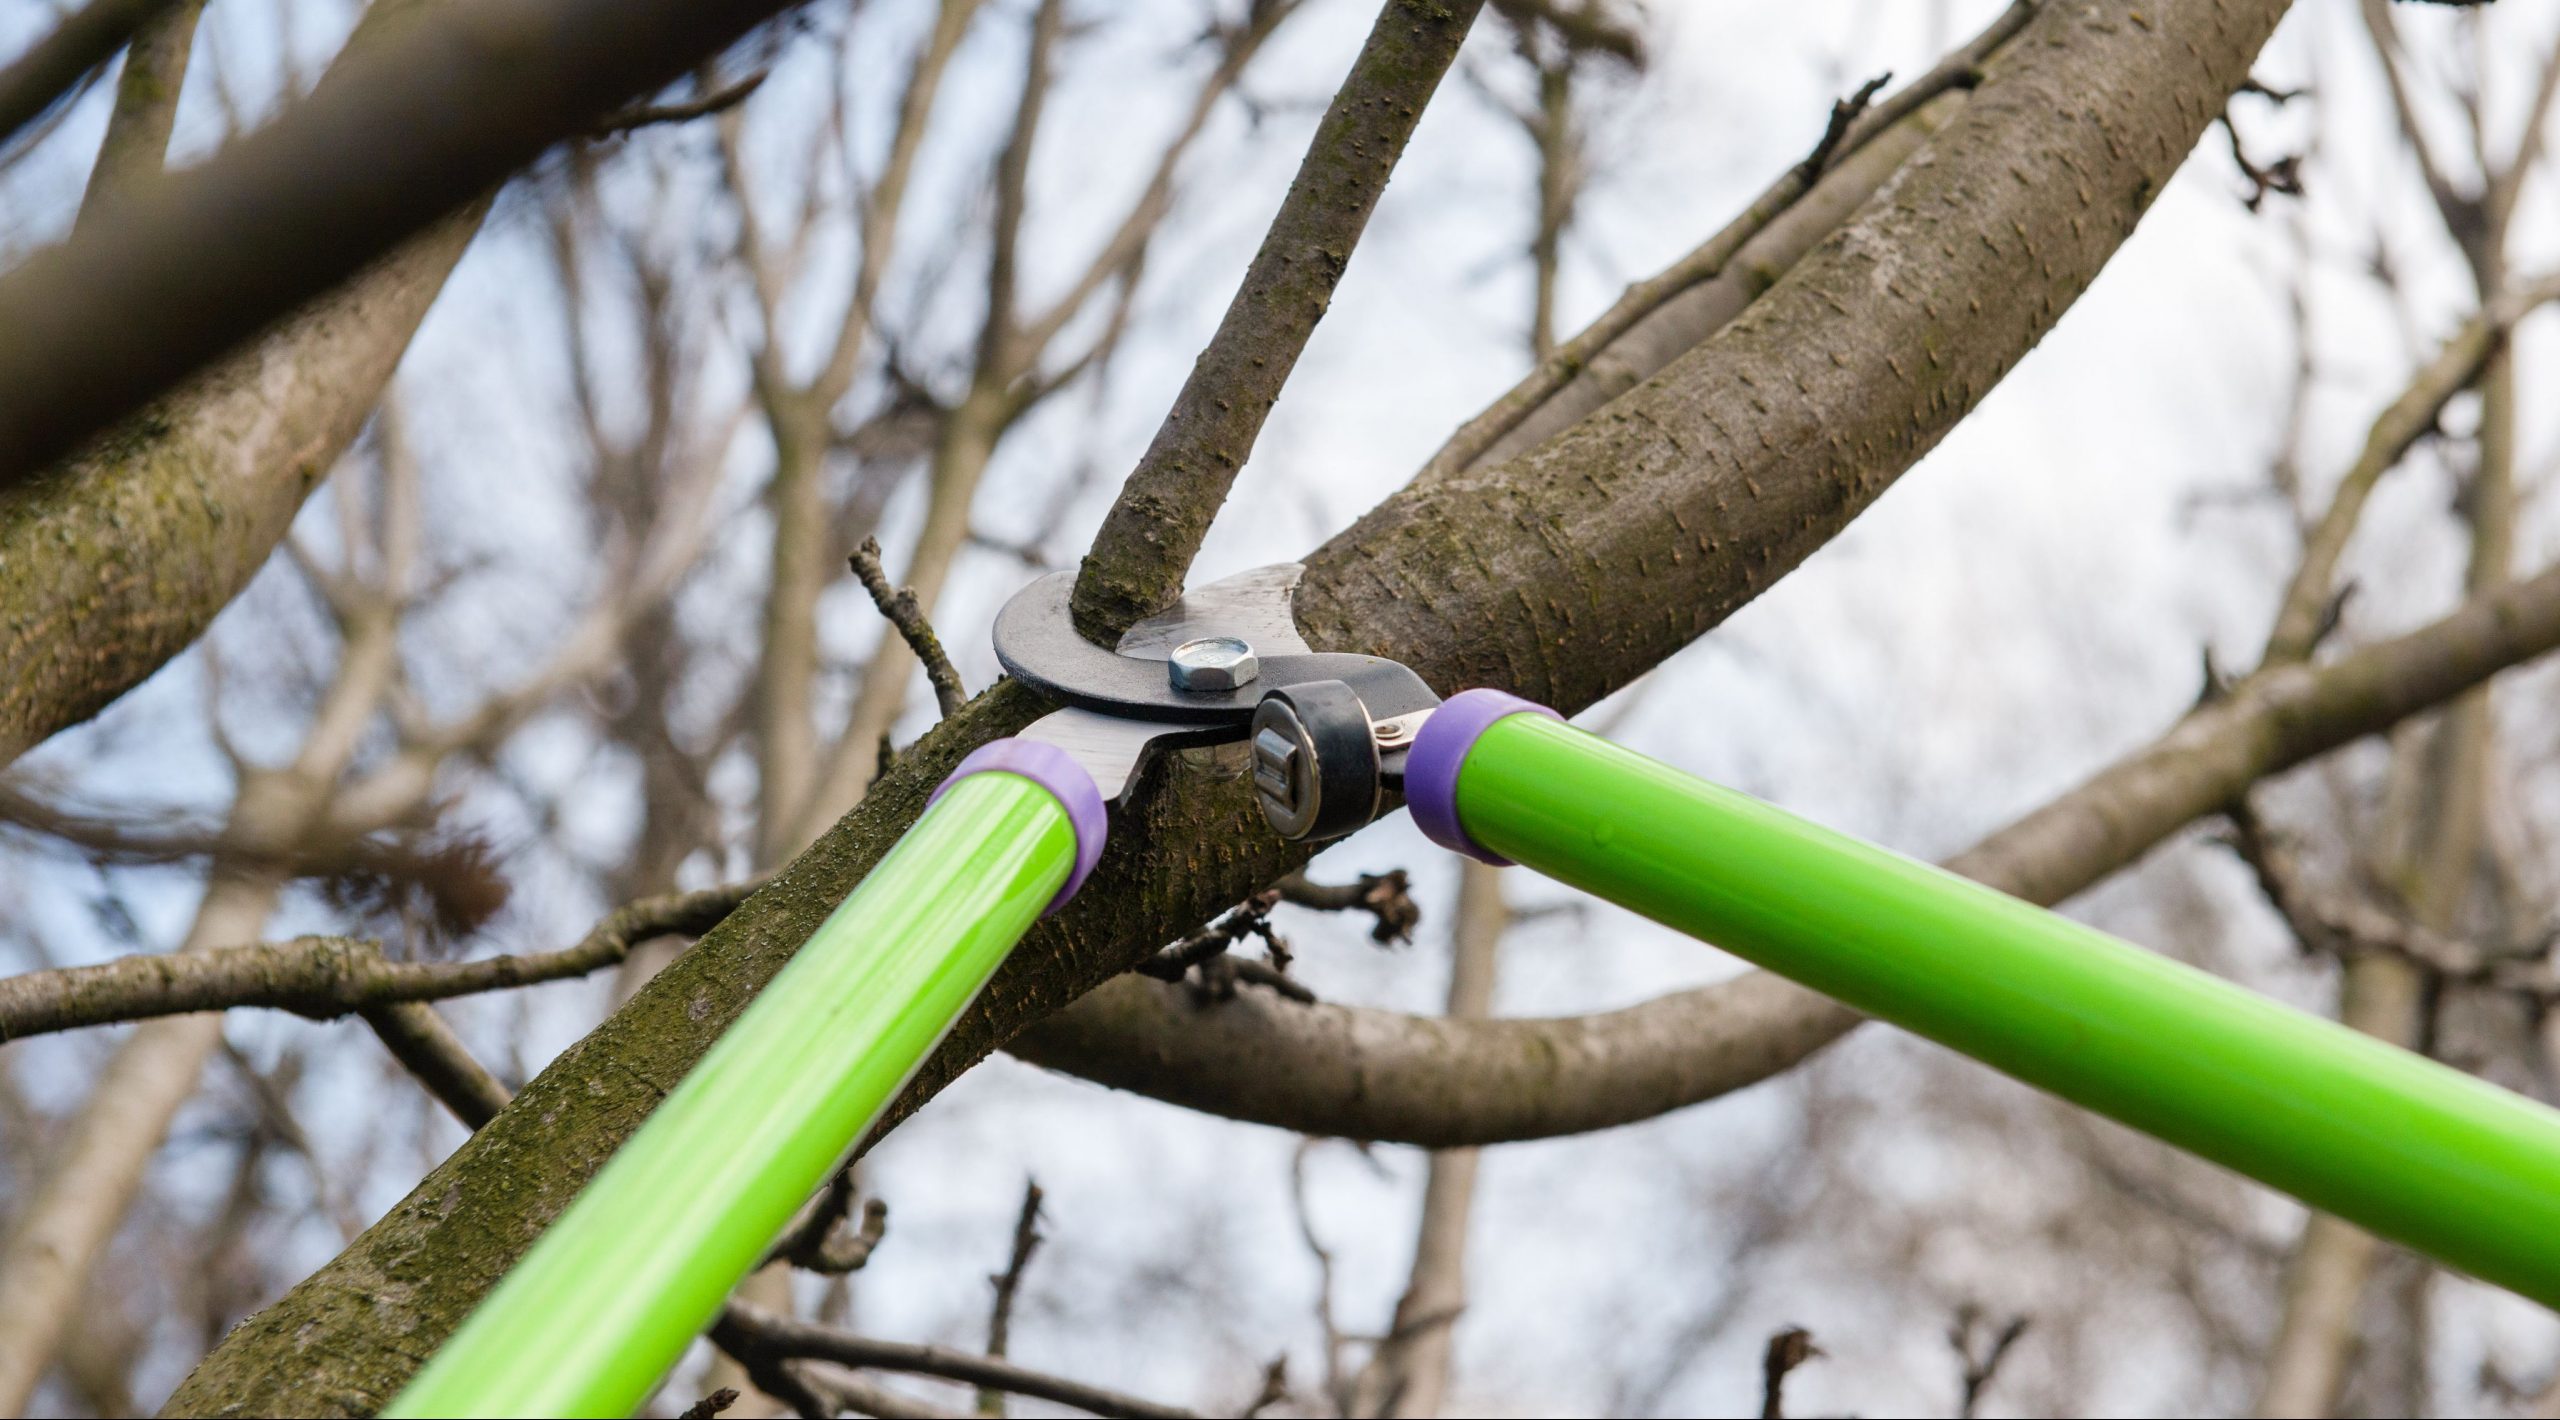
{"x":397,"y":136}
{"x":906,"y":614}
{"x":1146,"y":543}
{"x":1656,"y":319}
{"x":1623,"y":539}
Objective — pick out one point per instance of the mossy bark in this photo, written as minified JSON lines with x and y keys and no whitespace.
{"x":1562,"y":574}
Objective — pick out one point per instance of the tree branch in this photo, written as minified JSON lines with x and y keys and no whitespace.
{"x":906,"y":614}
{"x":136,"y":146}
{"x":397,"y":136}
{"x":1154,"y":529}
{"x":1384,"y":1075}
{"x":419,"y":1039}
{"x":1657,"y":318}
{"x":783,"y":1336}
{"x":86,"y":39}
{"x":323,"y":977}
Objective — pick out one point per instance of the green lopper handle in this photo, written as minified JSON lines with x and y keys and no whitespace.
{"x":2455,"y":1167}
{"x":606,"y":1301}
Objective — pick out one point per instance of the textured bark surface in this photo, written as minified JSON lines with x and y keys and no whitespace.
{"x":119,"y":559}
{"x":1561,"y":575}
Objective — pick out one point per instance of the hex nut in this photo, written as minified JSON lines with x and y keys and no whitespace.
{"x":1213,"y":665}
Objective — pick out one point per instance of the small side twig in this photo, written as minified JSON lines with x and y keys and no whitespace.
{"x":1844,"y":112}
{"x":905,"y":613}
{"x":710,"y":1405}
{"x":1981,"y":1362}
{"x":1206,"y":950}
{"x":2284,"y":175}
{"x":719,"y":100}
{"x":822,"y":1242}
{"x":1787,"y":1350}
{"x":1008,"y":1284}
{"x":1387,"y":897}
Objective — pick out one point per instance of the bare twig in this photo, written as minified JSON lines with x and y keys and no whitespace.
{"x":1787,"y":1350}
{"x":719,"y":100}
{"x":779,"y":1336}
{"x":1981,"y":1356}
{"x":1539,"y":404}
{"x":455,"y":878}
{"x":1206,"y":951}
{"x":1008,"y":1284}
{"x":324,"y":977}
{"x":1155,"y":527}
{"x":715,"y":1403}
{"x":1844,"y":114}
{"x":821,"y":1241}
{"x":906,"y":613}
{"x":2284,"y":175}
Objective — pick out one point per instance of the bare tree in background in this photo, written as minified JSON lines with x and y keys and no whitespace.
{"x":849,"y":285}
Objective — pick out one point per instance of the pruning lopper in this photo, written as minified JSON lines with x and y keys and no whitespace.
{"x":595,"y":1314}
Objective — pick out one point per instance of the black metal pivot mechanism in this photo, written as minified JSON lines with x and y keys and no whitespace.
{"x":1226,"y":663}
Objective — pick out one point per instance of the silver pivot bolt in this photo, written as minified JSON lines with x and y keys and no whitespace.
{"x":1213,"y":664}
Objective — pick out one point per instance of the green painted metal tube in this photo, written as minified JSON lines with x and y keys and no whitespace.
{"x":596,"y":1312}
{"x":2396,"y":1143}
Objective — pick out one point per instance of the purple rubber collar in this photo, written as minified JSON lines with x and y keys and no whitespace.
{"x":1055,"y":770}
{"x":1431,"y":766}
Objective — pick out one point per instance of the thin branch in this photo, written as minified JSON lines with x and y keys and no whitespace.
{"x":906,"y":613}
{"x":324,"y":977}
{"x":2408,"y":418}
{"x":1008,"y":1285}
{"x":419,"y":1039}
{"x":821,"y":1242}
{"x":1146,"y":543}
{"x":719,"y":100}
{"x":1844,"y":113}
{"x":780,"y":1336}
{"x":1787,"y":1350}
{"x":1981,"y":1361}
{"x":1387,"y":897}
{"x":56,"y":63}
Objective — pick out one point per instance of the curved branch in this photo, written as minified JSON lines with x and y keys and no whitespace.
{"x":1667,"y":313}
{"x":1385,"y":1075}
